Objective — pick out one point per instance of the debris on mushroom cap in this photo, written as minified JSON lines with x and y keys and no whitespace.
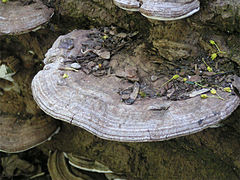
{"x":16,"y":18}
{"x":8,"y":68}
{"x":70,"y":46}
{"x":164,"y":10}
{"x":59,"y":169}
{"x":17,"y":135}
{"x":236,"y":83}
{"x":5,"y":74}
{"x":13,"y":63}
{"x":130,"y":5}
{"x":93,"y":103}
{"x":86,"y":164}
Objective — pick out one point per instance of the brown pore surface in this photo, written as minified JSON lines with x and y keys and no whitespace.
{"x":16,"y":18}
{"x":94,"y":103}
{"x":17,"y":135}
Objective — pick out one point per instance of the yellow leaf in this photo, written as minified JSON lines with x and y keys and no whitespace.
{"x":204,"y":96}
{"x":142,"y":94}
{"x":105,"y":36}
{"x":65,"y":76}
{"x":213,"y":56}
{"x":227,"y":89}
{"x":212,"y":42}
{"x":213,"y":91}
{"x":176,"y":76}
{"x":209,"y":69}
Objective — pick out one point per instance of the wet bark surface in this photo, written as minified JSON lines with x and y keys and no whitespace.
{"x":210,"y":154}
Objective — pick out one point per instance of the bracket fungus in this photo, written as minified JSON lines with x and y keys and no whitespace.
{"x":93,"y":103}
{"x":129,"y":5}
{"x":60,"y":170}
{"x":66,"y":166}
{"x":163,"y":10}
{"x":17,"y":135}
{"x":86,"y":164}
{"x":17,"y":18}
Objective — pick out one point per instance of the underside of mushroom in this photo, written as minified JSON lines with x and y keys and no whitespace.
{"x":163,"y":10}
{"x":94,"y":103}
{"x":18,"y":18}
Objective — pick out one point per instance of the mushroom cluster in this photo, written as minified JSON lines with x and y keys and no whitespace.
{"x":14,"y":129}
{"x":18,"y":18}
{"x":163,"y":10}
{"x":93,"y":103}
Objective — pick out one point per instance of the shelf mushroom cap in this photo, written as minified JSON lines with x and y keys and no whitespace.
{"x":93,"y":103}
{"x":59,"y":169}
{"x":17,"y":135}
{"x":169,"y":10}
{"x":16,"y":18}
{"x":163,"y":10}
{"x":86,"y":164}
{"x":129,"y":5}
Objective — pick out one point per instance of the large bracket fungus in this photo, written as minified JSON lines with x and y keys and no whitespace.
{"x":94,"y":103}
{"x":164,"y":10}
{"x":17,"y":135}
{"x":17,"y":18}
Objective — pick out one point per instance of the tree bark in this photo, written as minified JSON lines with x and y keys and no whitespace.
{"x":210,"y":154}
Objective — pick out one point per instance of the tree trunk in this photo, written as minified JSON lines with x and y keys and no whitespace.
{"x":210,"y":154}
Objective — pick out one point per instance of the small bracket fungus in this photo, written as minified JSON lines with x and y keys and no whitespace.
{"x":59,"y":169}
{"x":93,"y":103}
{"x":16,"y":18}
{"x":129,"y":5}
{"x":163,"y":10}
{"x":18,"y":135}
{"x":86,"y":164}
